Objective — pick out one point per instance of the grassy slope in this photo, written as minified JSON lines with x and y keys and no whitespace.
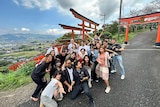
{"x":17,"y":78}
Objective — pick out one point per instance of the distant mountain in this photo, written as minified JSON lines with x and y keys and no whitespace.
{"x":26,"y":37}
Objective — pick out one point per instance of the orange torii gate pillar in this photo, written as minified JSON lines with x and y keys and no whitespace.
{"x":158,"y":36}
{"x":126,"y":37}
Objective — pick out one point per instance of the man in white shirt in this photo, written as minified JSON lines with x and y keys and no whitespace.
{"x":83,"y":45}
{"x":68,"y":78}
{"x":71,"y":43}
{"x":52,"y":48}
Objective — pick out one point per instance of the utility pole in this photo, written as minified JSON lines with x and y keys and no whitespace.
{"x":119,"y":19}
{"x":104,"y":16}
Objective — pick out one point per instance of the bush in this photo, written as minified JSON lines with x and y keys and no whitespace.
{"x":26,"y":68}
{"x":4,"y":63}
{"x":18,"y":78}
{"x":106,"y":35}
{"x":4,"y":69}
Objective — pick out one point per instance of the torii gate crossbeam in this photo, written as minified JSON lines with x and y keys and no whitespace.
{"x":84,"y":19}
{"x":73,"y":28}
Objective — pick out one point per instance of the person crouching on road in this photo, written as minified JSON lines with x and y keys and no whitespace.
{"x":38,"y":75}
{"x":53,"y":89}
{"x":81,"y":83}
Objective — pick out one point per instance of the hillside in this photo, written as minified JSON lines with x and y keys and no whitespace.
{"x":26,"y":37}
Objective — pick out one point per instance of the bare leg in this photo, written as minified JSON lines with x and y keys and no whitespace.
{"x":107,"y":83}
{"x":107,"y":90}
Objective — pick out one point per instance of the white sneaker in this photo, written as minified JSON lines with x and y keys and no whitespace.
{"x":113,"y":71}
{"x":82,"y":92}
{"x":122,"y":77}
{"x":90,"y":85}
{"x":107,"y":90}
{"x":97,"y":81}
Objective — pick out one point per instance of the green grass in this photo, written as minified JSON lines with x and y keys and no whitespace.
{"x":17,"y":78}
{"x":122,"y":37}
{"x":4,"y":69}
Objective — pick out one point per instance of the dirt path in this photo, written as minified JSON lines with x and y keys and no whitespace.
{"x":12,"y":98}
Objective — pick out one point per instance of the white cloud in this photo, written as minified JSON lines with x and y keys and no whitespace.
{"x":89,"y":8}
{"x":16,"y":1}
{"x":56,"y":31}
{"x":41,"y":4}
{"x":92,"y":9}
{"x":25,"y":29}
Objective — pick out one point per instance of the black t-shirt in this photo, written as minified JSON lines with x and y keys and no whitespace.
{"x":79,"y":75}
{"x":73,"y":60}
{"x":40,"y":70}
{"x":114,"y":47}
{"x":62,"y":58}
{"x":53,"y":62}
{"x":52,"y":71}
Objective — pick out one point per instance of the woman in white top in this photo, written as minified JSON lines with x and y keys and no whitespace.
{"x":53,"y":89}
{"x":87,"y":63}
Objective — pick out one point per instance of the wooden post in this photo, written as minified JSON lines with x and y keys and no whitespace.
{"x":72,"y":34}
{"x":95,"y":30}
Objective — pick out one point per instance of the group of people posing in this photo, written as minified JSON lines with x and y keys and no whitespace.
{"x":73,"y":70}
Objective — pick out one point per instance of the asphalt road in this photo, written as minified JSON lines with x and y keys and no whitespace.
{"x":140,"y":88}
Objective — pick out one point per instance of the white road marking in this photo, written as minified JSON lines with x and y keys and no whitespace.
{"x":142,"y":49}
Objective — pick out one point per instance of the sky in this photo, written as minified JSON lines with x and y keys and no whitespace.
{"x":44,"y":16}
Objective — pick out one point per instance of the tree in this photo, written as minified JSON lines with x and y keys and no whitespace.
{"x":153,"y":6}
{"x":114,"y":27}
{"x":134,"y":12}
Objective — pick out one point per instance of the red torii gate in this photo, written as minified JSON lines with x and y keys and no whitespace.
{"x":84,"y":19}
{"x":142,"y":19}
{"x":73,"y":28}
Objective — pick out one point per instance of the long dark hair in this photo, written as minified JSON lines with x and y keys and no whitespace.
{"x":84,"y":62}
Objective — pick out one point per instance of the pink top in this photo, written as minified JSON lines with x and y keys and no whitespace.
{"x":102,"y":59}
